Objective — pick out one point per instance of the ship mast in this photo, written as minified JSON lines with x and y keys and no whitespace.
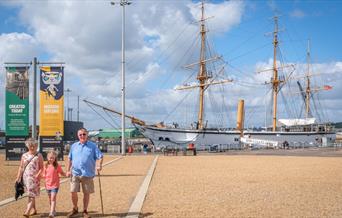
{"x":275,"y":79}
{"x":203,"y":77}
{"x":202,"y":74}
{"x":308,"y":89}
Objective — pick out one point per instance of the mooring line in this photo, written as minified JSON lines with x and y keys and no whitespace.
{"x":12,"y":199}
{"x":138,"y":202}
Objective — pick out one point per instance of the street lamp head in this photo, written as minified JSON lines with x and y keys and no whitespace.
{"x":112,"y":3}
{"x":125,"y":2}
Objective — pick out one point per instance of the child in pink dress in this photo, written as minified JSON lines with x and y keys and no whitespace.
{"x":52,"y":171}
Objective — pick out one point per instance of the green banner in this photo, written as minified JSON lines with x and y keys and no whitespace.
{"x":17,"y":101}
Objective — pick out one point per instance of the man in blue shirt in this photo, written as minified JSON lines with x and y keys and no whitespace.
{"x":84,"y":156}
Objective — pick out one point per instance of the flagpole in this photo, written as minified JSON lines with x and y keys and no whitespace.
{"x":123,"y":78}
{"x":123,"y":3}
{"x":34,"y":123}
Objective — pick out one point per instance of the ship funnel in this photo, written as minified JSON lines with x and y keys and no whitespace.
{"x":240,"y":115}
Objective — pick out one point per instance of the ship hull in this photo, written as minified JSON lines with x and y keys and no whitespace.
{"x":162,"y":137}
{"x":295,"y":139}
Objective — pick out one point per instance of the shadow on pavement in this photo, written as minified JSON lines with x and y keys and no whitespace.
{"x":94,"y":214}
{"x":141,"y":215}
{"x":119,"y":175}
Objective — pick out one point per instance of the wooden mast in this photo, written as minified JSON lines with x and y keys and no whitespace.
{"x":275,"y":80}
{"x":308,"y":89}
{"x":202,"y":74}
{"x":204,"y":79}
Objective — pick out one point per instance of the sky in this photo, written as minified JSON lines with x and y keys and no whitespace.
{"x":161,"y":37}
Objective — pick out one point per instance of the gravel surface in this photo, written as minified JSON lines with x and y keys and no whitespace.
{"x":120,"y":182}
{"x":245,"y":186}
{"x":248,"y":184}
{"x":8,"y":173}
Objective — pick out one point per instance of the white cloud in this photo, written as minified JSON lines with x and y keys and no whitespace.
{"x":225,"y":15}
{"x":297,"y":13}
{"x":15,"y":47}
{"x":87,"y":37}
{"x":18,"y":47}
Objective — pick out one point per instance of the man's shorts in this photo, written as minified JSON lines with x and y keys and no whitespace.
{"x":86,"y":182}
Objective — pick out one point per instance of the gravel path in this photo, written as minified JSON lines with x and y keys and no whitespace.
{"x":120,"y":182}
{"x":245,"y":186}
{"x":8,"y":173}
{"x":253,"y":185}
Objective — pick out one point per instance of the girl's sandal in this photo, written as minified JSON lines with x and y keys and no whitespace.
{"x":33,"y":213}
{"x":26,"y":215}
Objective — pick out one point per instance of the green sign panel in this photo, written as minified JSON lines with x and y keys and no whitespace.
{"x":17,"y":101}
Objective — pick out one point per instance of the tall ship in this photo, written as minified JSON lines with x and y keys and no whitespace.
{"x":197,"y":132}
{"x":304,"y":131}
{"x":291,"y":131}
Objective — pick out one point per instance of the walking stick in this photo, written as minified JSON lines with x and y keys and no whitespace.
{"x":98,"y":173}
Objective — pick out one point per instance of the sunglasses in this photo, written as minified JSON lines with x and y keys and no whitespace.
{"x":83,"y":134}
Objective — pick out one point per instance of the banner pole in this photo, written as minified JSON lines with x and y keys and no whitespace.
{"x":34,"y":123}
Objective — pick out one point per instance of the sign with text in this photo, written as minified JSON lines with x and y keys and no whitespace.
{"x":17,"y":101}
{"x":51,"y":101}
{"x":15,"y":147}
{"x":17,"y":111}
{"x":51,"y":144}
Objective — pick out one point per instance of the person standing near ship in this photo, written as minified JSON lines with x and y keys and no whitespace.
{"x":145,"y":148}
{"x":84,"y":157}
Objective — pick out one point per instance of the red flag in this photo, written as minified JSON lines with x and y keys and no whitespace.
{"x":326,"y":87}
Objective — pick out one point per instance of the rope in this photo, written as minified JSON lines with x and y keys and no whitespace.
{"x":107,"y":112}
{"x":315,"y":106}
{"x":167,"y":116}
{"x":248,"y":52}
{"x":100,"y":115}
{"x":180,"y":60}
{"x":240,"y":81}
{"x":129,"y":62}
{"x":214,"y":104}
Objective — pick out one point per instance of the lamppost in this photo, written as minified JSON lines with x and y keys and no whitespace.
{"x":68,"y":110}
{"x":123,"y":3}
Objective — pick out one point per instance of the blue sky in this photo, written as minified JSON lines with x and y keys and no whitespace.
{"x":299,"y":20}
{"x":9,"y":20}
{"x":87,"y":35}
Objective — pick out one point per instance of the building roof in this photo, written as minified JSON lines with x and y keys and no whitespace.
{"x":116,"y":133}
{"x":118,"y":130}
